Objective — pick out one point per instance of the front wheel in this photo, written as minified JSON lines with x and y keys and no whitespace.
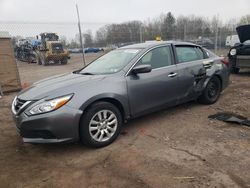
{"x":212,"y":91}
{"x":64,"y":61}
{"x":100,"y":125}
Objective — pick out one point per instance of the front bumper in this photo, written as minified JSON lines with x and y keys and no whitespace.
{"x":243,"y":61}
{"x":240,"y":61}
{"x":61,"y":125}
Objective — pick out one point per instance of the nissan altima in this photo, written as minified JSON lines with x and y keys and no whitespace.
{"x":91,"y":104}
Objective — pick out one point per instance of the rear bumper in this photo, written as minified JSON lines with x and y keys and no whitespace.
{"x":61,"y":125}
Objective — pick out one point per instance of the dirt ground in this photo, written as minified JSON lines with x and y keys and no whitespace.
{"x":178,"y":147}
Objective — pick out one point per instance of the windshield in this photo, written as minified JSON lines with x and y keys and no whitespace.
{"x":57,"y":46}
{"x":111,"y":62}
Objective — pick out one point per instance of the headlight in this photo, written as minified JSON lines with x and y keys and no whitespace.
{"x":233,"y":52}
{"x":48,"y":106}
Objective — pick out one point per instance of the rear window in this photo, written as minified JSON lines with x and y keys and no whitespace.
{"x":189,"y":53}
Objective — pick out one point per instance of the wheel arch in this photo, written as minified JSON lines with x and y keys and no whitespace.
{"x":111,"y":98}
{"x":209,"y":78}
{"x":221,"y":82}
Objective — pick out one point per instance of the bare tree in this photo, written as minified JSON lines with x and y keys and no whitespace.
{"x":188,"y":28}
{"x":245,"y":20}
{"x":88,"y":38}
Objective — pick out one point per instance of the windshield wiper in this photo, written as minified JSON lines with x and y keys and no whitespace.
{"x":86,"y":73}
{"x":76,"y":72}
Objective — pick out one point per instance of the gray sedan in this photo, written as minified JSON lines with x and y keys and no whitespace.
{"x":91,"y":104}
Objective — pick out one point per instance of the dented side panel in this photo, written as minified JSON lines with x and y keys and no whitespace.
{"x":191,"y":77}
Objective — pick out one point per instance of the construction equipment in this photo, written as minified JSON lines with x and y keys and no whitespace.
{"x":51,"y":50}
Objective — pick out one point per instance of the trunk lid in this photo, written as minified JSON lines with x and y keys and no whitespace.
{"x":243,"y":32}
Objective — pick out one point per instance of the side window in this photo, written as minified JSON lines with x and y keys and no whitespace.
{"x":188,"y":53}
{"x":158,"y":57}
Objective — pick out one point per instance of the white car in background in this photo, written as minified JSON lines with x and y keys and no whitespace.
{"x":232,"y":40}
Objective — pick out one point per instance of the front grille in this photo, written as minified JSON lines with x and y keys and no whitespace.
{"x":45,"y":134}
{"x":19,"y":103}
{"x":57,"y":51}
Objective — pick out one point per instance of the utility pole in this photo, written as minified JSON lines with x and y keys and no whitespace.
{"x":80,"y":35}
{"x":130,"y":32}
{"x":185,"y":31}
{"x":216,"y":33}
{"x":216,"y":40}
{"x":140,"y":34}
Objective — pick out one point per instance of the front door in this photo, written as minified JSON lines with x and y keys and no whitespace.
{"x":158,"y":88}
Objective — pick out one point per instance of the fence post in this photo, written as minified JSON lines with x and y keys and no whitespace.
{"x":1,"y":91}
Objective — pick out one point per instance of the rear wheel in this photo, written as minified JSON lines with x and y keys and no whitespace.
{"x":64,"y":61}
{"x":212,"y":91}
{"x":100,"y":125}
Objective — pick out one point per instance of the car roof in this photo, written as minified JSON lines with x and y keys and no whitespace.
{"x":155,"y":43}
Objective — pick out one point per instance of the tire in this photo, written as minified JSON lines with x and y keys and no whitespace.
{"x":95,"y":118}
{"x":212,"y":91}
{"x":235,"y":70}
{"x":64,"y":61}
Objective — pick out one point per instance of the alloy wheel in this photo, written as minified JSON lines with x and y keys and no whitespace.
{"x":103,"y":125}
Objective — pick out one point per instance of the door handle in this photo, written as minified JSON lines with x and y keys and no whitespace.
{"x":208,"y":64}
{"x":172,"y":74}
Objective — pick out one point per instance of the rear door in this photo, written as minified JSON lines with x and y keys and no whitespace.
{"x":191,"y":70}
{"x":158,"y":88}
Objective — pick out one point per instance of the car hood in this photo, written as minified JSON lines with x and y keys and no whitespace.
{"x":243,"y":32}
{"x":58,"y":86}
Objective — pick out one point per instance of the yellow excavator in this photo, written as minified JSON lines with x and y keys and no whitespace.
{"x":51,"y":50}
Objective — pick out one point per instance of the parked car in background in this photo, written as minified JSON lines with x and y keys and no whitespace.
{"x":123,"y":44}
{"x":93,"y":50}
{"x":74,"y":50}
{"x":232,"y":40}
{"x":92,"y":103}
{"x":239,"y":55}
{"x":86,"y":50}
{"x":204,"y":42}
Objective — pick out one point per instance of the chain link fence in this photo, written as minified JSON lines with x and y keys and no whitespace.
{"x":109,"y":36}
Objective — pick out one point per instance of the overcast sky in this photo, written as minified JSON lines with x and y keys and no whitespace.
{"x":107,"y":11}
{"x":14,"y":14}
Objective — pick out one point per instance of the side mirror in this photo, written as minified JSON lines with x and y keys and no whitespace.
{"x":142,"y":69}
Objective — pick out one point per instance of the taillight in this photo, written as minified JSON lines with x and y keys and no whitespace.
{"x":225,"y":61}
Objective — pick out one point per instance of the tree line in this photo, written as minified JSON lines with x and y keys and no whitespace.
{"x":167,"y":26}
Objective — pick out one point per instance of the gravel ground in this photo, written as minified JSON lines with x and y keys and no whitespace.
{"x":177,"y":147}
